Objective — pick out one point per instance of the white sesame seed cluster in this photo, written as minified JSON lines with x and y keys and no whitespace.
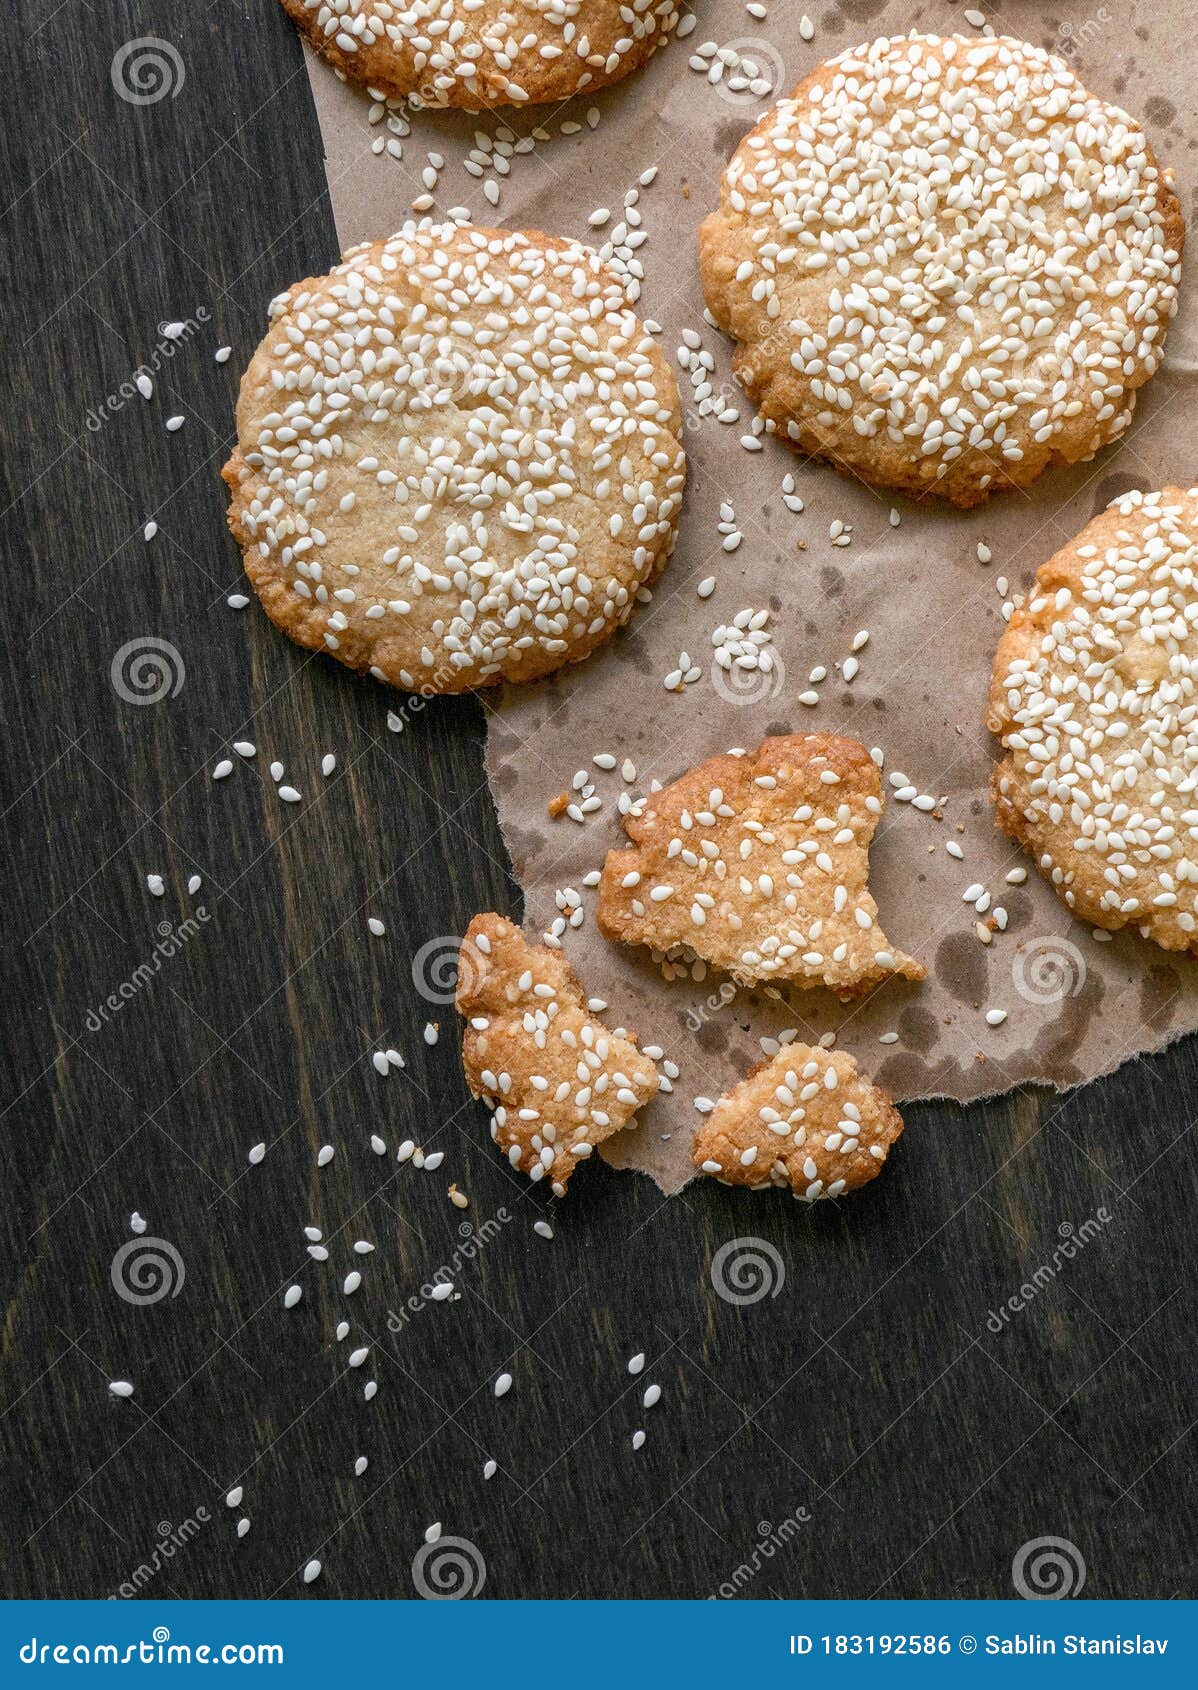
{"x":806,"y":1119}
{"x":458,"y":458}
{"x":479,"y":53}
{"x":1095,"y":699}
{"x":947,"y":264}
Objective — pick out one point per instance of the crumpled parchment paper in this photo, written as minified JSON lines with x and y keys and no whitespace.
{"x":1076,"y":1007}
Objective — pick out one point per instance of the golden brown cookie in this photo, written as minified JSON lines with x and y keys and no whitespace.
{"x":476,"y":54}
{"x":807,"y":1119}
{"x":947,"y":265}
{"x":557,"y":1080}
{"x":758,"y":863}
{"x":458,"y":458}
{"x":1094,"y":698}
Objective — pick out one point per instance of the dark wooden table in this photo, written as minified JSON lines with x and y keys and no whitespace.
{"x":918,"y":1440}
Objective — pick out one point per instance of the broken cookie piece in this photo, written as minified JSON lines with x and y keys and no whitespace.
{"x":557,"y":1080}
{"x":758,"y":863}
{"x":806,"y":1119}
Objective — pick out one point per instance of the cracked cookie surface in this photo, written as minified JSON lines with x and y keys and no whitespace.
{"x":807,"y":1119}
{"x":758,"y":863}
{"x":557,"y":1080}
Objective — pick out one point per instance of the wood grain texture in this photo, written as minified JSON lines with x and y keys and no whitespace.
{"x":872,"y":1390}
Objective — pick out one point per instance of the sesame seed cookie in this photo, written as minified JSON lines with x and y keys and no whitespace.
{"x":1094,"y":698}
{"x":557,"y":1080}
{"x":758,"y":864}
{"x":458,"y":458}
{"x":947,"y":265}
{"x":475,"y":54}
{"x":807,"y":1119}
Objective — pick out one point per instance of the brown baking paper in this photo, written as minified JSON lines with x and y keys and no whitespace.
{"x":1076,"y":1008}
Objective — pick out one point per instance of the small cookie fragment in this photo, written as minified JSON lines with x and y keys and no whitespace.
{"x":558,"y":1081}
{"x":758,"y":864}
{"x":475,"y":54}
{"x":806,"y":1118}
{"x":1094,"y":698}
{"x":948,"y":266}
